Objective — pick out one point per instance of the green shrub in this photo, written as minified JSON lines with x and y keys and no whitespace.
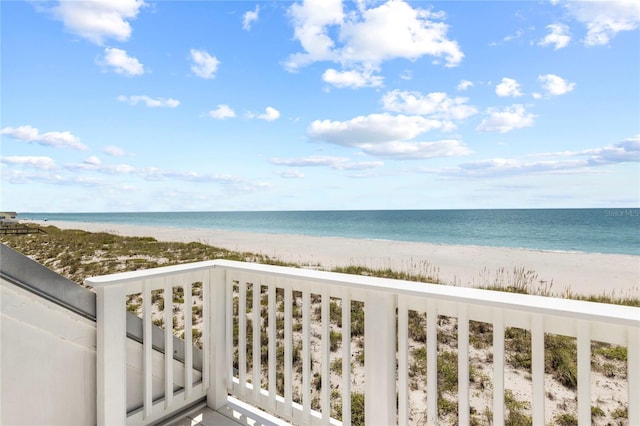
{"x":617,"y":353}
{"x":597,"y":411}
{"x":357,"y":408}
{"x":566,"y":419}
{"x":561,"y":359}
{"x":619,"y":413}
{"x":515,"y":416}
{"x":336,"y":366}
{"x":335,"y":338}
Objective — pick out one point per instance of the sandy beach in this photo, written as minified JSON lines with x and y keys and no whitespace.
{"x":580,"y":273}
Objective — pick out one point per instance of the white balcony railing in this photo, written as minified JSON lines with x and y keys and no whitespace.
{"x":289,"y":314}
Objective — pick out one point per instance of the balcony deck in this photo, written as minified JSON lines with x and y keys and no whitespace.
{"x":233,"y":413}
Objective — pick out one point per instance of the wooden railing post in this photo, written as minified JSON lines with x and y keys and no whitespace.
{"x":111,"y":354}
{"x":217,"y":392}
{"x":380,"y":358}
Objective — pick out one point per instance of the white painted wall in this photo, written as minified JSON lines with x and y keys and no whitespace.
{"x":48,"y":363}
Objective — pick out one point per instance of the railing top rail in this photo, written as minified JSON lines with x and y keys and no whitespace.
{"x":163,"y":271}
{"x":590,"y":311}
{"x":576,"y":309}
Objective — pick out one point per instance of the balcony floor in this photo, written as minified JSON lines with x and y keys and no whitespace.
{"x":204,"y":416}
{"x":233,"y":414}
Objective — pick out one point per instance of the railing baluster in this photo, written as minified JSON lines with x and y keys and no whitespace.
{"x":498,"y":367}
{"x":188,"y":339}
{"x":256,"y":323}
{"x":230,"y":319}
{"x":537,"y":369}
{"x":463,"y":364}
{"x":346,"y":358}
{"x":403,"y":360}
{"x":288,"y":351}
{"x":325,"y":323}
{"x":271,"y":295}
{"x":147,"y":342}
{"x":432,"y":363}
{"x":306,"y":357}
{"x":242,"y":335}
{"x":168,"y":343}
{"x":584,"y":373}
{"x":380,"y":358}
{"x":205,"y":328}
{"x":633,"y":375}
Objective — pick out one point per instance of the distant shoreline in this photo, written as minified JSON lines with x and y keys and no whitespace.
{"x":606,"y":231}
{"x":577,"y":272}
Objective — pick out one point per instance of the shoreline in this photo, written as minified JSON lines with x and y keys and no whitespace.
{"x":468,"y":266}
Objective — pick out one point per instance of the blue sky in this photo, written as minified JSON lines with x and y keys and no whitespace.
{"x":131,"y":105}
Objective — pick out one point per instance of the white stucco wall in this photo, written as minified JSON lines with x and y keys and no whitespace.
{"x":47,"y":362}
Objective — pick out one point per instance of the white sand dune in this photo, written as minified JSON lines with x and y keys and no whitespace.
{"x":580,"y":273}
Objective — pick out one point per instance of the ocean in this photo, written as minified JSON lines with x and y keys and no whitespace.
{"x":572,"y":230}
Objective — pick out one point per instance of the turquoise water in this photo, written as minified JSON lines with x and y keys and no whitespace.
{"x":582,"y":230}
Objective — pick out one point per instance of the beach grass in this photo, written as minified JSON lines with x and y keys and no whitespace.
{"x":78,"y":254}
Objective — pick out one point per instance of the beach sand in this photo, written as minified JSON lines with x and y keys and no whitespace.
{"x":579,"y":273}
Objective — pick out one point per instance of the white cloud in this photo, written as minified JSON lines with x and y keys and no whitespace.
{"x":354,"y":78}
{"x":396,"y":30}
{"x":228,"y":182}
{"x":270,"y":114}
{"x":559,"y":36}
{"x":626,"y":151}
{"x":53,"y":139}
{"x":374,"y":128}
{"x":93,"y":160}
{"x":502,"y":166}
{"x":290,"y":174}
{"x":508,"y":87}
{"x":98,"y":20}
{"x":337,"y":163}
{"x":506,"y":120}
{"x":42,"y":163}
{"x":386,"y":135}
{"x":204,"y":65}
{"x":604,"y":19}
{"x":416,"y":150}
{"x":94,"y":164}
{"x":508,"y":38}
{"x":223,"y":111}
{"x":464,"y":85}
{"x":311,"y":20}
{"x":555,"y":85}
{"x":122,"y":63}
{"x":114,"y":151}
{"x":150,"y":102}
{"x":437,"y":104}
{"x":250,"y":17}
{"x":365,"y":37}
{"x":623,"y":152}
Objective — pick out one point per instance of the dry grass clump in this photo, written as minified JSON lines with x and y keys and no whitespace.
{"x":79,"y":254}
